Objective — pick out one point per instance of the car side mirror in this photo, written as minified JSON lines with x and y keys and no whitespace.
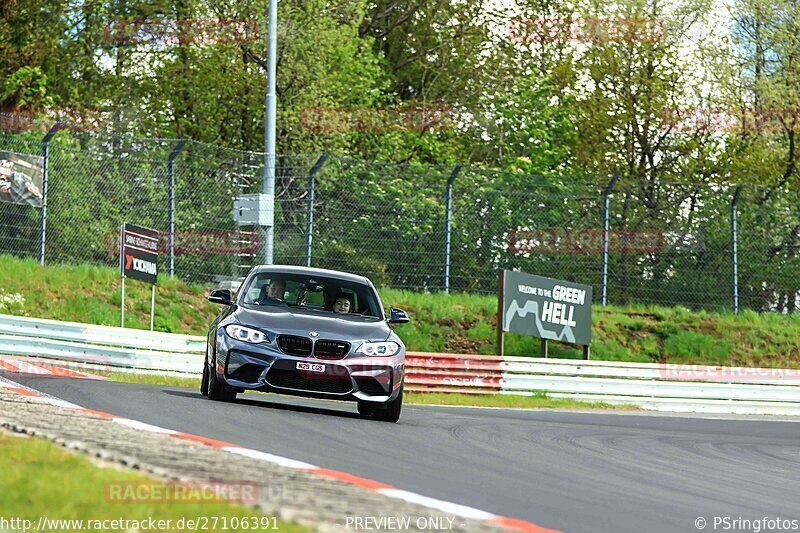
{"x":221,"y":296}
{"x":398,"y":316}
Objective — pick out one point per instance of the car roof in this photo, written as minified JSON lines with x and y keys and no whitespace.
{"x":294,"y":269}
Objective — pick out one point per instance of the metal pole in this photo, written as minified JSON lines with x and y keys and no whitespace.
{"x":606,"y":208}
{"x":269,"y":125}
{"x":122,"y":275}
{"x":501,"y":279}
{"x":43,"y":210}
{"x":171,"y":229}
{"x":448,"y":201}
{"x":122,"y":307}
{"x":152,"y":305}
{"x":735,"y":239}
{"x":309,"y":218}
{"x":45,"y":174}
{"x":310,"y":205}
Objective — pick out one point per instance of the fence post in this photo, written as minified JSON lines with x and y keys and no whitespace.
{"x":501,"y":305}
{"x":606,"y":201}
{"x":171,"y":229}
{"x":735,"y":242}
{"x":310,"y":204}
{"x":45,"y":173}
{"x":448,"y":200}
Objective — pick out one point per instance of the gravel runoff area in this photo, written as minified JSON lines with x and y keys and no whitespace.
{"x":292,"y":495}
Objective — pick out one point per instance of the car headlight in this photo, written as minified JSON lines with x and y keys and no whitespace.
{"x":245,"y":334}
{"x":379,"y":348}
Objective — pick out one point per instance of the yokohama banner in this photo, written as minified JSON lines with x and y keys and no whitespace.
{"x":139,"y":253}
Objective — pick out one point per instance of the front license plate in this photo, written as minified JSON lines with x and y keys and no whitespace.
{"x":311,"y":367}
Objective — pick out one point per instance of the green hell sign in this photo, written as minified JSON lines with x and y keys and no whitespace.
{"x":546,"y":308}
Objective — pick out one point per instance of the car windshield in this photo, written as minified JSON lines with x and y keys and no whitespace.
{"x":319,"y":293}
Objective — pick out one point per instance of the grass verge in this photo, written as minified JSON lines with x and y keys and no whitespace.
{"x":539,"y":400}
{"x":42,"y":480}
{"x":156,"y":379}
{"x":92,"y":294}
{"x":455,"y":323}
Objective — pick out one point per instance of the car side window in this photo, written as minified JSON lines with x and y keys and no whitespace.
{"x":255,"y":289}
{"x":253,"y":292}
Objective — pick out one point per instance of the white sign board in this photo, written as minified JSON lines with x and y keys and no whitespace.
{"x":254,"y":210}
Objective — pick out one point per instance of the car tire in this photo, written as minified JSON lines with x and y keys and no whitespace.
{"x":390,"y":411}
{"x":364,"y":408}
{"x":217,"y":391}
{"x":204,"y":381}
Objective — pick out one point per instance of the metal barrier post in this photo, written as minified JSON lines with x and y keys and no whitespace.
{"x":45,"y":174}
{"x":122,"y":306}
{"x":448,"y":200}
{"x":310,"y":205}
{"x":606,"y":208}
{"x":152,"y":305}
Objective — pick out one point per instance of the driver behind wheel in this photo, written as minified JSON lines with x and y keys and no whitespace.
{"x":273,"y":293}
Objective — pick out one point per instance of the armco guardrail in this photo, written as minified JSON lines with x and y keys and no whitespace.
{"x":102,"y":335}
{"x":101,"y":346}
{"x":650,"y":385}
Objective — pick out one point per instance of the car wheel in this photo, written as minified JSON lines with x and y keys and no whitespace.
{"x":204,"y":381}
{"x":390,"y":411}
{"x":218,"y":391}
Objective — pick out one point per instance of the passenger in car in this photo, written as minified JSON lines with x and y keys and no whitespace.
{"x":342,"y":305}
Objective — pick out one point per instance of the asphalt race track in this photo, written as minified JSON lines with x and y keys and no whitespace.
{"x":572,"y":471}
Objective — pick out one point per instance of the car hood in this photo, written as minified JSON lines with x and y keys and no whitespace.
{"x":282,"y":320}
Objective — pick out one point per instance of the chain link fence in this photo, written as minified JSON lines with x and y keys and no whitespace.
{"x":423,"y":228}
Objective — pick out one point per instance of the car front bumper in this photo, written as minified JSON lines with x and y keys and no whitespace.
{"x":264,"y":367}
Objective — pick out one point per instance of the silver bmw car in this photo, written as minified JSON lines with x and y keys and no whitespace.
{"x":306,"y":332}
